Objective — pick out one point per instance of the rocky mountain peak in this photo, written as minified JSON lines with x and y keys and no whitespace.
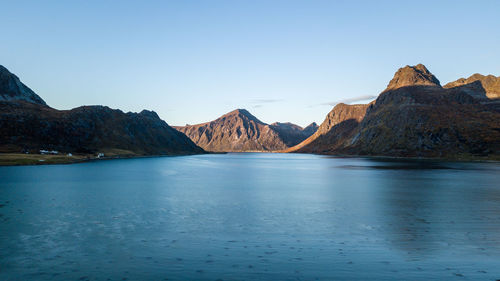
{"x":242,"y":113}
{"x":12,"y":89}
{"x":417,"y":75}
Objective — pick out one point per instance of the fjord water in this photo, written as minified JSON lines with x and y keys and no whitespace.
{"x":251,"y":216}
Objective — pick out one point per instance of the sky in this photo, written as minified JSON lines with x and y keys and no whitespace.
{"x":284,"y":61}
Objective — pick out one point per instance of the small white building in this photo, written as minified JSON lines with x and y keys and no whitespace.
{"x":100,"y":155}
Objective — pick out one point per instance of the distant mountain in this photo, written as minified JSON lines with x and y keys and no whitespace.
{"x":239,"y":131}
{"x":292,"y":134}
{"x":27,"y":124}
{"x":414,"y":117}
{"x":11,"y":89}
{"x":310,"y":129}
{"x":490,"y":86}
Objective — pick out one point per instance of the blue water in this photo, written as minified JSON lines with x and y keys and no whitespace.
{"x":250,"y":216}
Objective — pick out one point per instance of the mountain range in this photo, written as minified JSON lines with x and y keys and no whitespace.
{"x":240,"y":131}
{"x":28,"y":124}
{"x":413,"y":117}
{"x":416,"y":117}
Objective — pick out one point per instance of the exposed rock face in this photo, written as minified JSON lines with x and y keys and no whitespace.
{"x":12,"y":89}
{"x":490,"y":84}
{"x":239,"y":131}
{"x":27,"y":124}
{"x":413,"y":76}
{"x":413,"y":117}
{"x":339,"y":126}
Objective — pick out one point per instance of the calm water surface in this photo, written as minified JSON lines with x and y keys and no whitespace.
{"x":250,"y":217}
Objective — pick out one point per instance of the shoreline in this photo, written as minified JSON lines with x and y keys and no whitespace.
{"x":19,"y":159}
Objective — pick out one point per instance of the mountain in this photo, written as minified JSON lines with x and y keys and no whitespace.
{"x":239,"y":131}
{"x":413,"y":76}
{"x":422,"y":121}
{"x":310,"y":129}
{"x":12,"y":89}
{"x":292,"y":134}
{"x":489,"y":83}
{"x":339,"y":125}
{"x":413,"y":117}
{"x":27,"y":124}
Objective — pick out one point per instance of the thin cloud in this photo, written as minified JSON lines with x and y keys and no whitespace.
{"x":261,"y":102}
{"x":350,"y":100}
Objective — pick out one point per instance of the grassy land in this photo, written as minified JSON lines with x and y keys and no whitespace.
{"x":16,"y":159}
{"x":13,"y":159}
{"x":7,"y":159}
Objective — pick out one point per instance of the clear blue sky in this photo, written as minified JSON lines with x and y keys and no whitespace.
{"x":192,"y":61}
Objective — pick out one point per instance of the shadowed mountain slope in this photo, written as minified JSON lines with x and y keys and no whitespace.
{"x":292,"y":134}
{"x":339,"y":125}
{"x":427,"y":121}
{"x":413,"y":117}
{"x":27,"y":124}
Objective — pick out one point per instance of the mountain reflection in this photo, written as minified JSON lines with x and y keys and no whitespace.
{"x":424,"y":210}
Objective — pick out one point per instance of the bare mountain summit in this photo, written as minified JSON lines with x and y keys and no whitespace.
{"x":239,"y":131}
{"x":413,"y":76}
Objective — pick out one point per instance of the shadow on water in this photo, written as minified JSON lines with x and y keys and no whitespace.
{"x":414,"y":164}
{"x":425,"y":210}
